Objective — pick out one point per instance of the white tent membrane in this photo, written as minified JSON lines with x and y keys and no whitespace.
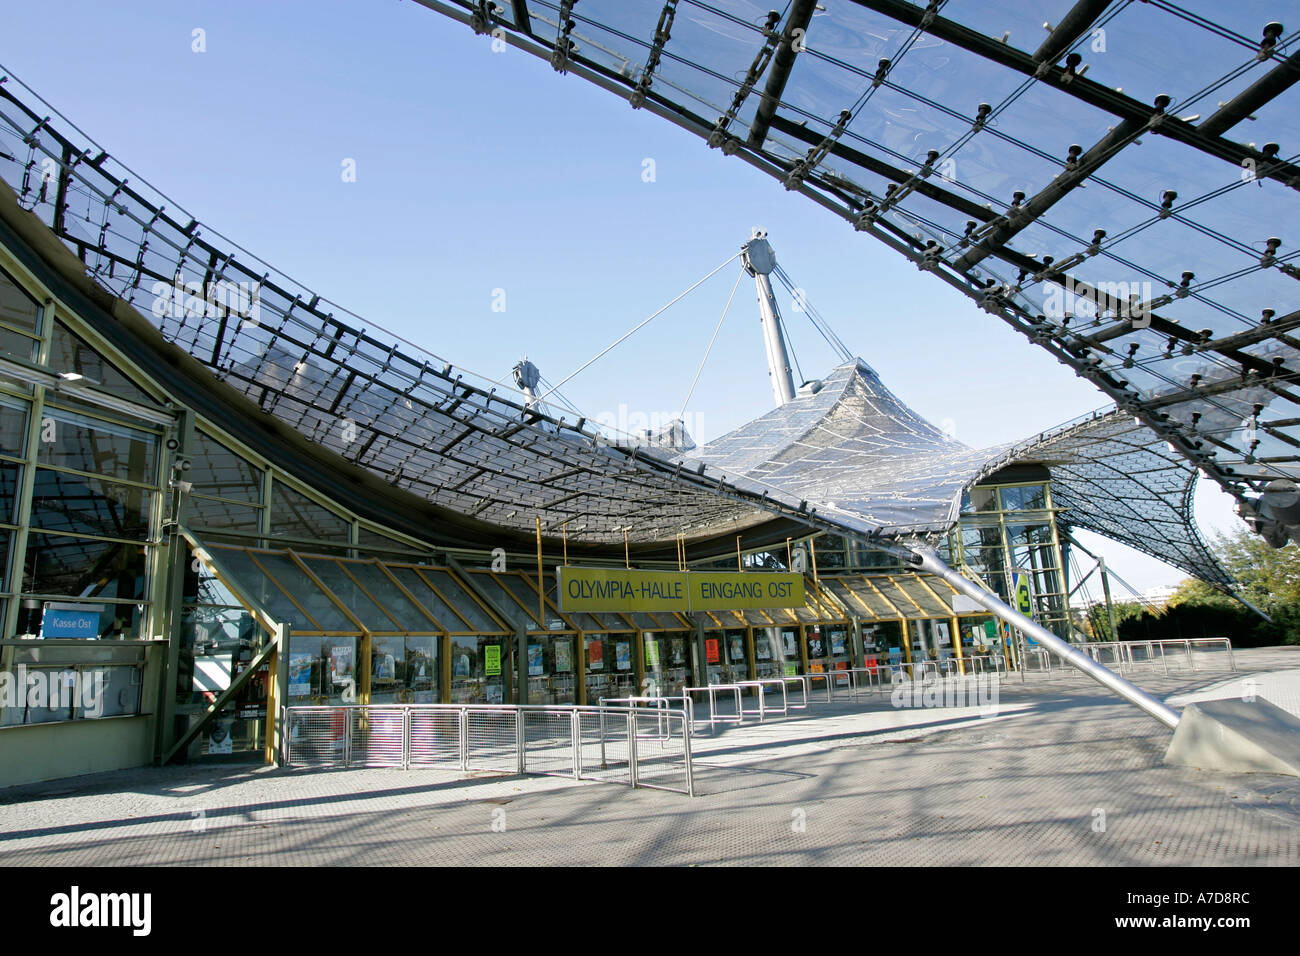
{"x":853,"y":446}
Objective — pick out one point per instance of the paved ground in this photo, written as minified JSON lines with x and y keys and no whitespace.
{"x":1065,"y":774}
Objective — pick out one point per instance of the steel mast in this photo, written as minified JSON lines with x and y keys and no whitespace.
{"x":759,"y":261}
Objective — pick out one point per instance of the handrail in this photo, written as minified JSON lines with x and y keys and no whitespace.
{"x":367,"y":735}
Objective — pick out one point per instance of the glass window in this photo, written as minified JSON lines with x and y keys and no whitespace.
{"x":451,"y":588}
{"x":1025,"y":498}
{"x":603,"y":678}
{"x":322,"y":669}
{"x":381,"y":542}
{"x":250,"y":578}
{"x":16,"y":345}
{"x":479,"y":670}
{"x":667,"y":664}
{"x":222,"y":515}
{"x":69,"y":353}
{"x":17,"y":308}
{"x":294,"y":515}
{"x":390,"y":596}
{"x":1029,"y":534}
{"x":69,"y":440}
{"x":430,"y":600}
{"x":9,"y":475}
{"x":82,"y":567}
{"x":984,"y":499}
{"x":551,"y":674}
{"x":217,"y":471}
{"x":767,"y":659}
{"x":404,"y":670}
{"x":524,"y":617}
{"x":314,"y":601}
{"x":350,"y":595}
{"x":13,"y":428}
{"x":85,"y":620}
{"x":81,"y":504}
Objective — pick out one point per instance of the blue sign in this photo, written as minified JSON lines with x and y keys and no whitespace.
{"x":59,"y":623}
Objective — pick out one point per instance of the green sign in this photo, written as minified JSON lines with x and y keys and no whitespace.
{"x":492,"y":660}
{"x":651,"y":651}
{"x":627,"y":590}
{"x":1022,"y":596}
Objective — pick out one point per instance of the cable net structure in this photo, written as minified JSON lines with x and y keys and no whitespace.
{"x":385,"y":405}
{"x":1114,"y":179}
{"x":854,"y":448}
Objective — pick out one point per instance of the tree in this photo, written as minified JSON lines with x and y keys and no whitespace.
{"x":1268,"y":578}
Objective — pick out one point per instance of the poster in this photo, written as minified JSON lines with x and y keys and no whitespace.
{"x":761,"y":649}
{"x":341,"y":663}
{"x":651,"y":651}
{"x":495,"y":691}
{"x":623,"y":655}
{"x":460,"y":665}
{"x":596,"y":656}
{"x":219,"y":741}
{"x":492,"y":660}
{"x":791,"y":669}
{"x":563,"y":657}
{"x":535,"y":662}
{"x":679,"y":650}
{"x":711,"y":650}
{"x":837,"y":643}
{"x":815,"y":667}
{"x":787,"y":640}
{"x":816,"y":647}
{"x":736,"y":647}
{"x":300,"y":674}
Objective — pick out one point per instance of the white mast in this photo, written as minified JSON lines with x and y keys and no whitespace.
{"x":759,"y":261}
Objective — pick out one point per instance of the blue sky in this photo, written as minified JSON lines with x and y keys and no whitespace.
{"x":479,"y":171}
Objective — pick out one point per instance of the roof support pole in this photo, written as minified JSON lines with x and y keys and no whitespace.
{"x":1072,"y":26}
{"x":796,"y":27}
{"x":759,"y":260}
{"x":927,"y":560}
{"x":1266,"y":88}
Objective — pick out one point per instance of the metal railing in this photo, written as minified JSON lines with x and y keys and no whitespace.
{"x":630,"y":744}
{"x":1163,"y":656}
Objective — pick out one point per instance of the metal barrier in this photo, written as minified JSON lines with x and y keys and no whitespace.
{"x":1127,"y":656}
{"x":712,"y":690}
{"x":632,"y":744}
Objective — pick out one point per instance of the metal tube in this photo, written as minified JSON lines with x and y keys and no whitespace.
{"x":1161,"y":711}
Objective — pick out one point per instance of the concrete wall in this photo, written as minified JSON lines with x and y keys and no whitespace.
{"x":36,"y":752}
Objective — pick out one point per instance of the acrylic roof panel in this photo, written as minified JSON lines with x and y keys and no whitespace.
{"x":854,"y":447}
{"x":385,"y":405}
{"x":1113,"y":475}
{"x":1117,"y":181}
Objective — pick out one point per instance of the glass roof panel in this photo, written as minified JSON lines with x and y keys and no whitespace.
{"x":351,"y":596}
{"x":449,"y":586}
{"x":253,"y":581}
{"x":393,"y":600}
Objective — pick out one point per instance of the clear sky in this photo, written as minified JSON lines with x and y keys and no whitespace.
{"x":483,"y":177}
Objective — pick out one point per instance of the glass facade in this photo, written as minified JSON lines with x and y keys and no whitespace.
{"x":1011,"y":527}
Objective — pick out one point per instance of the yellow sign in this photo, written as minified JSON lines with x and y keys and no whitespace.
{"x":618,"y":589}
